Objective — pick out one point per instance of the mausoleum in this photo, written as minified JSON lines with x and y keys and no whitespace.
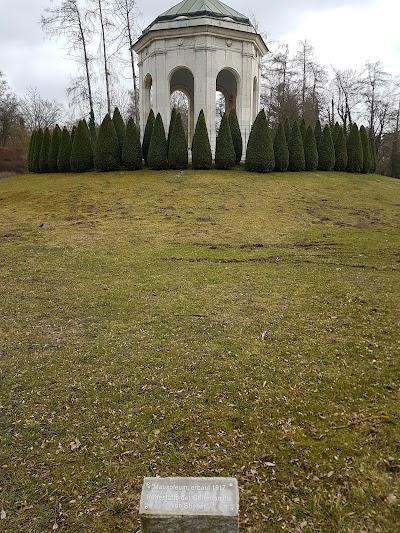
{"x":200,"y":47}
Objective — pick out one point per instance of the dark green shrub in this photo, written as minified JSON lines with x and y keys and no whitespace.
{"x":36,"y":151}
{"x":157,"y":155}
{"x":201,"y":149}
{"x":106,"y":150}
{"x":225,"y":156}
{"x":303,"y":129}
{"x":178,"y":149}
{"x":64,"y":153}
{"x":120,"y":128}
{"x":73,"y":131}
{"x":373,"y":153}
{"x":236,"y":135}
{"x":54,"y":148}
{"x":281,"y":149}
{"x":148,"y":130}
{"x":82,"y":149}
{"x":317,"y":132}
{"x":288,"y":129}
{"x":297,"y":161}
{"x":92,"y":128}
{"x":171,"y":127}
{"x":310,"y":150}
{"x":354,"y":150}
{"x":132,"y":149}
{"x":367,"y":159}
{"x":260,"y":151}
{"x":340,"y":151}
{"x":335,"y":132}
{"x":326,"y":152}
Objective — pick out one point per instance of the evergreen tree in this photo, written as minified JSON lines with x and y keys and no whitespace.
{"x":225,"y":156}
{"x":106,"y":150}
{"x":281,"y":150}
{"x":178,"y":149}
{"x":236,"y":135}
{"x":288,"y":130}
{"x":335,"y":132}
{"x":73,"y":131}
{"x":367,"y":159}
{"x":354,"y":150}
{"x":64,"y":152}
{"x":132,"y":149}
{"x":29,"y":162}
{"x":157,"y":154}
{"x":92,"y":128}
{"x":340,"y":151}
{"x":310,"y":150}
{"x":37,"y":149}
{"x":148,"y":130}
{"x":82,"y":149}
{"x":373,"y":153}
{"x":326,"y":155}
{"x":317,"y":132}
{"x":201,"y":149}
{"x":297,"y":161}
{"x":260,"y":150}
{"x":171,"y":127}
{"x":395,"y":157}
{"x":54,"y":148}
{"x":303,"y":129}
{"x":120,"y":128}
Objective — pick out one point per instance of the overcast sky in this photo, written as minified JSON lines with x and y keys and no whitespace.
{"x":344,"y":33}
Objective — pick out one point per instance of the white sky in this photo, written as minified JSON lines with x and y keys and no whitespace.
{"x":344,"y":34}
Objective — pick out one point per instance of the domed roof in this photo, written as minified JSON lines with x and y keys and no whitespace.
{"x":198,"y":8}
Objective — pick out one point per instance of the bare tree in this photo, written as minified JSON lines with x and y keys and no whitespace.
{"x":376,"y":80}
{"x":38,"y":112}
{"x":68,"y":20}
{"x":347,"y":88}
{"x":126,"y":13}
{"x":9,"y":112}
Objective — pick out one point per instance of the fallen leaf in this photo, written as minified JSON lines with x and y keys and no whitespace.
{"x":74,"y":445}
{"x":3,"y":514}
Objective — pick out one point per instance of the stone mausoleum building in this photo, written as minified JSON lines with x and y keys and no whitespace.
{"x":199,"y":47}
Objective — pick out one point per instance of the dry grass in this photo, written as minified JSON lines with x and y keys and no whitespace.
{"x":188,"y":323}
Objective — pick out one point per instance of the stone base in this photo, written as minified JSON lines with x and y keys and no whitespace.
{"x":189,"y":524}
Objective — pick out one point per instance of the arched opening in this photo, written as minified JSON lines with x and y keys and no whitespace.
{"x":148,"y":95}
{"x":220,"y":99}
{"x":181,"y":83}
{"x":227,"y":84}
{"x":180,"y":101}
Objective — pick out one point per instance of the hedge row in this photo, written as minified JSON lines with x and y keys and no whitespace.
{"x":117,"y":145}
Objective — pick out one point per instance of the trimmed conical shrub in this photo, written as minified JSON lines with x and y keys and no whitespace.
{"x":225,"y":156}
{"x":148,"y":130}
{"x":373,"y":153}
{"x":29,"y":160}
{"x":201,"y":149}
{"x":157,"y":155}
{"x":340,"y":151}
{"x":335,"y":132}
{"x":310,"y":150}
{"x":260,"y":151}
{"x":297,"y":161}
{"x":236,"y":135}
{"x":303,"y":129}
{"x":54,"y":148}
{"x":106,"y":150}
{"x":326,"y":152}
{"x":64,"y":152}
{"x":73,"y":131}
{"x":171,"y":127}
{"x":317,"y":132}
{"x":92,"y":128}
{"x":120,"y":127}
{"x":354,"y":150}
{"x":288,"y":129}
{"x":178,"y":150}
{"x":281,"y":150}
{"x":36,"y":151}
{"x":132,"y":149}
{"x":367,"y":160}
{"x":82,"y":149}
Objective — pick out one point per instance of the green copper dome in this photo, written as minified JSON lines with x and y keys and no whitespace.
{"x":201,"y":8}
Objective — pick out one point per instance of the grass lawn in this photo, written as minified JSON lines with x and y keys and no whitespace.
{"x":200,"y":324}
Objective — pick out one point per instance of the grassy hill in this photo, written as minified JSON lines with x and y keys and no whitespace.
{"x":200,"y":324}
